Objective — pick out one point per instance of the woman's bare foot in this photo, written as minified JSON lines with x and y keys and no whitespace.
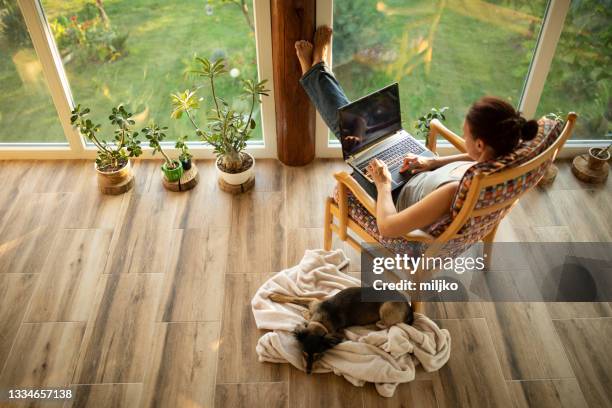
{"x":322,"y":40}
{"x":303,"y":49}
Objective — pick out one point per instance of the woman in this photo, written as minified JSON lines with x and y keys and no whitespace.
{"x":491,"y":128}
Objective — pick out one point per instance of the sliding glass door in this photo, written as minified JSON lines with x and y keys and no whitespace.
{"x":27,"y":114}
{"x":103,"y":53}
{"x":452,"y":52}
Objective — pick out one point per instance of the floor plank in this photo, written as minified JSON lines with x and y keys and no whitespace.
{"x":269,"y":175}
{"x":472,"y":377}
{"x":416,"y":394}
{"x":105,"y":396}
{"x":57,"y":176}
{"x":539,"y":355}
{"x":91,"y":209}
{"x":257,"y":239}
{"x":587,"y":344}
{"x":68,"y":282}
{"x":202,"y":208}
{"x":15,"y":293}
{"x":237,"y":357}
{"x":29,"y":230}
{"x":571,"y":310}
{"x":322,"y":390}
{"x":306,"y":190}
{"x":43,"y":354}
{"x":581,"y":211}
{"x":182,"y":362}
{"x":247,"y":395}
{"x":564,"y":393}
{"x":120,"y":331}
{"x":209,"y":251}
{"x":301,"y":239}
{"x":193,"y":284}
{"x":144,"y":236}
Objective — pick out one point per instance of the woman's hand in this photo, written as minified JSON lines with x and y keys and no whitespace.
{"x":415,"y":164}
{"x":380,"y":173}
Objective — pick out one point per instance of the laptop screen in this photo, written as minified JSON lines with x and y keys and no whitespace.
{"x":366,"y":120}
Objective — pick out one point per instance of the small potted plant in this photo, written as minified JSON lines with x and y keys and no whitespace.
{"x":172,"y":169}
{"x":185,"y":156}
{"x":423,"y":123}
{"x":598,"y":156}
{"x":227,"y":130}
{"x":113,"y":158}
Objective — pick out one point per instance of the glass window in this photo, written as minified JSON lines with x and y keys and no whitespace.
{"x":138,"y":52}
{"x":442,"y":53}
{"x":579,"y":77}
{"x":27,"y":113}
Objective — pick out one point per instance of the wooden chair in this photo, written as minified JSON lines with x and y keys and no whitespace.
{"x":474,"y":215}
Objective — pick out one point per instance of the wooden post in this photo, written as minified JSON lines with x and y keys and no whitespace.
{"x":292,"y":20}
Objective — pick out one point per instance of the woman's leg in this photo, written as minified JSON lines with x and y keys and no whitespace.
{"x":318,"y":81}
{"x":325,"y":93}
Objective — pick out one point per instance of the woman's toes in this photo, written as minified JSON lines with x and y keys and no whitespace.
{"x":323,"y":34}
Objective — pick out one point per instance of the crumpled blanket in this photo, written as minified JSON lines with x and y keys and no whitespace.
{"x":384,"y":356}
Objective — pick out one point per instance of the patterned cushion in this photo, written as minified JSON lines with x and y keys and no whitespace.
{"x":476,"y":228}
{"x":548,"y":132}
{"x":359,"y":214}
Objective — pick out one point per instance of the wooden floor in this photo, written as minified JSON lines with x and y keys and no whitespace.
{"x":143,"y":299}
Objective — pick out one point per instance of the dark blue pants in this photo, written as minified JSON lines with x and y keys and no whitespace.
{"x":325,"y":93}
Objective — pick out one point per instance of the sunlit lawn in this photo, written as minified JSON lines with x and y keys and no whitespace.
{"x":470,"y":57}
{"x":163,"y":37}
{"x":474,"y":52}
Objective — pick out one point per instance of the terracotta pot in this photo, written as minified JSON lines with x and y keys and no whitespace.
{"x":236,"y":178}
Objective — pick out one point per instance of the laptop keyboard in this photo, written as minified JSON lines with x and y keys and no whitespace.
{"x":394,"y":155}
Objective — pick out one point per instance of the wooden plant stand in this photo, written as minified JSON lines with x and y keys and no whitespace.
{"x":188,"y":180}
{"x":582,"y":171}
{"x":237,"y":188}
{"x":120,"y":188}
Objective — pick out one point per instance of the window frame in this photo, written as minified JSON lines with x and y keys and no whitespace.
{"x":76,"y":147}
{"x":541,"y":61}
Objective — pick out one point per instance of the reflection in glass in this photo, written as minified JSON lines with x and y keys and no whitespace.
{"x":27,"y":113}
{"x":442,"y":53}
{"x":579,"y":77}
{"x":138,"y":52}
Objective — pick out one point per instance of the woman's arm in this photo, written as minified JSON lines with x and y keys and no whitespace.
{"x":416,"y":164}
{"x":421,"y":214}
{"x":443,"y":160}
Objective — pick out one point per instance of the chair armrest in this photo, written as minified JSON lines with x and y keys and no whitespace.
{"x":360,"y":194}
{"x":436,"y":127}
{"x":345,"y":181}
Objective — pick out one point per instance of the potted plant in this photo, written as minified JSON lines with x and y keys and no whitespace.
{"x":598,"y":156}
{"x":227,"y":130}
{"x":422,"y":124}
{"x":113,"y":158}
{"x":172,"y":169}
{"x":185,"y":156}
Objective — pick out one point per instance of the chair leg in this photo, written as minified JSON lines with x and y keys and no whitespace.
{"x":418,"y":306}
{"x":327,"y":231}
{"x":488,"y":247}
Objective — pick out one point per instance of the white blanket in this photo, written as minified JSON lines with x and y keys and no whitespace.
{"x":384,"y":356}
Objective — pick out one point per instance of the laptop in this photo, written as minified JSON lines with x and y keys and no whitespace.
{"x":371,"y":127}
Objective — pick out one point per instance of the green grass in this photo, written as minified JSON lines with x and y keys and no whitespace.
{"x":473,"y":54}
{"x":163,"y":37}
{"x":470,"y":59}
